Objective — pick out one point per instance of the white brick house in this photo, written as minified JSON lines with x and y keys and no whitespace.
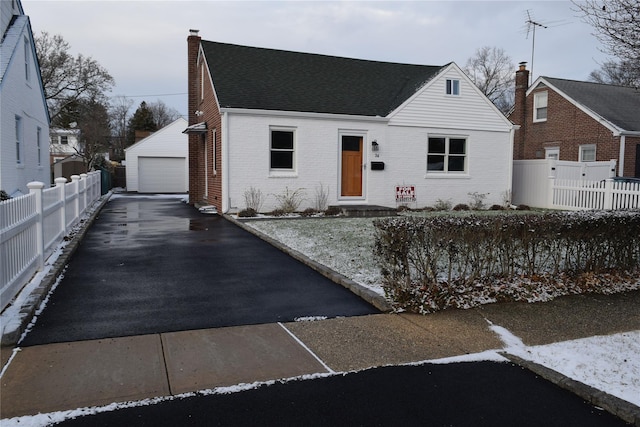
{"x":277,"y":120}
{"x":24,"y":117}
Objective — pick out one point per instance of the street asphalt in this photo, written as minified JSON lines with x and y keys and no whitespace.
{"x":462,"y":394}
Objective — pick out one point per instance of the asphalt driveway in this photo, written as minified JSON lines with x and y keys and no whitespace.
{"x":151,"y":265}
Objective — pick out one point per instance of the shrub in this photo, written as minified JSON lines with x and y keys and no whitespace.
{"x":477,"y":200}
{"x":4,"y":196}
{"x":442,"y":205}
{"x":497,"y":208}
{"x":523,"y":208}
{"x":333,"y":211}
{"x":322,"y":198}
{"x":428,"y":263}
{"x":277,"y":212}
{"x":461,"y":207}
{"x":309,"y":212}
{"x":403,"y":208}
{"x":253,"y":199}
{"x":247,"y":213}
{"x":290,"y":201}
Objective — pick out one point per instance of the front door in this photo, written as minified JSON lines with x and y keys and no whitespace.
{"x":637,"y":172}
{"x":351,"y":147}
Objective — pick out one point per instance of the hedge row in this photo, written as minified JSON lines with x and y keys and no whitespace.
{"x":427,"y":262}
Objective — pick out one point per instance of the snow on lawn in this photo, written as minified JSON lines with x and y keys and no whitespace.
{"x":343,"y":244}
{"x":609,"y":363}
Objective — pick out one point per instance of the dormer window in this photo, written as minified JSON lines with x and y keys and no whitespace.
{"x":453,"y":87}
{"x":540,"y":107}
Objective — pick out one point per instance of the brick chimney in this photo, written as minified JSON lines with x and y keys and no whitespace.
{"x":193,"y":46}
{"x":519,"y":115}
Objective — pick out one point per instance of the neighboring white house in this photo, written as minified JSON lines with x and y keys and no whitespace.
{"x":158,"y":163}
{"x":279,"y":121}
{"x":24,"y":117}
{"x":64,"y":143}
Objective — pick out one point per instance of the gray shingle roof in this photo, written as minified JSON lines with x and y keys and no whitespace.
{"x":617,"y":104}
{"x":269,"y":79}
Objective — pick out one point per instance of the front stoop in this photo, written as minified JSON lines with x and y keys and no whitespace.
{"x":365,"y":211}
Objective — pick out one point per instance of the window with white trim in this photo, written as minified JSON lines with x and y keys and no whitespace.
{"x":63,"y":139}
{"x":453,"y":87}
{"x":39,"y":145}
{"x":540,"y":106}
{"x":18,"y":135}
{"x":587,"y":153}
{"x":27,"y":60}
{"x":446,"y":154}
{"x":552,"y":153}
{"x":282,"y":149}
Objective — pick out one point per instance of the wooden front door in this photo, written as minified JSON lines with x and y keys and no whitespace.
{"x":351,"y":147}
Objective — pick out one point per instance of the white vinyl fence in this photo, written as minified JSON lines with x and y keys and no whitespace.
{"x":534,"y":180}
{"x":606,"y":194}
{"x":31,"y":226}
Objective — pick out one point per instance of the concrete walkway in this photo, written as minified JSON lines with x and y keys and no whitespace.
{"x":66,"y":376}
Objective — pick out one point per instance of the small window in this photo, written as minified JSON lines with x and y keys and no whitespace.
{"x":540,"y":107}
{"x":63,"y":139}
{"x":27,"y":62}
{"x":18,"y":135}
{"x":552,"y":153}
{"x":39,"y":145}
{"x":447,"y":155}
{"x":453,"y":87}
{"x":587,"y":153}
{"x":282,"y":149}
{"x":215,"y":154}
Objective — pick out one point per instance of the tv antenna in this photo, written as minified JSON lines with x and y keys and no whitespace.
{"x":531,"y":28}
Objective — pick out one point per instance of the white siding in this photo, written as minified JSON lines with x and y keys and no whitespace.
{"x":402,"y":149}
{"x":24,"y":99}
{"x":169,"y":142}
{"x":432,"y":107}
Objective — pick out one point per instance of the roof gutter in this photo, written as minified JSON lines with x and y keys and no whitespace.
{"x":303,"y":114}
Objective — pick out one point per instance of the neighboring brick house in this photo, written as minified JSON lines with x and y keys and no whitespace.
{"x":577,"y":121}
{"x":280,"y":121}
{"x":24,"y":117}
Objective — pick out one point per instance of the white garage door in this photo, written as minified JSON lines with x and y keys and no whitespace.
{"x":162,"y":175}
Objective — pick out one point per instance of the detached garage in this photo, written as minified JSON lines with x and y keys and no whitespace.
{"x":159,"y":163}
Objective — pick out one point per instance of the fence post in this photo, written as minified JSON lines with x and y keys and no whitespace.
{"x":83,"y":182}
{"x":60,"y":182}
{"x":35,"y":187}
{"x":612,"y":169}
{"x":551,"y":182}
{"x":76,"y":202}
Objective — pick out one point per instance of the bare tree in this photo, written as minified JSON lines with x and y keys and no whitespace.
{"x":119,"y":115}
{"x":492,"y":70}
{"x":616,"y":24}
{"x":622,"y":73}
{"x":162,"y":114}
{"x":66,"y":78}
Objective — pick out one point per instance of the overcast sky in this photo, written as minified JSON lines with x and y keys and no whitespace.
{"x":143,"y":43}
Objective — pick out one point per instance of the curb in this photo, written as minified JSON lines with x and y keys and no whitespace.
{"x":622,"y":409}
{"x":378,"y":301}
{"x":12,"y":333}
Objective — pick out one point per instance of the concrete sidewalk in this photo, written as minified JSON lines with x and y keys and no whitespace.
{"x":66,"y":376}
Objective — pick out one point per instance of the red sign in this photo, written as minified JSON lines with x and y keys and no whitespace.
{"x":405,"y":193}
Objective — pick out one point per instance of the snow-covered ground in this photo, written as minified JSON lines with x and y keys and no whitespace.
{"x":608,"y":363}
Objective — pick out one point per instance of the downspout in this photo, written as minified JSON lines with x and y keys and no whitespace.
{"x":512,"y":138}
{"x":623,"y":140}
{"x":225,"y":163}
